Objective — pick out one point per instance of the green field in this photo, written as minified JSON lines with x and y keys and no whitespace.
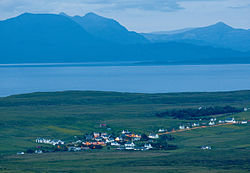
{"x":63,"y":115}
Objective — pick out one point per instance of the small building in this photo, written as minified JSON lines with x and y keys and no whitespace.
{"x":118,"y":139}
{"x":211,"y":123}
{"x":213,"y":119}
{"x":195,"y":124}
{"x":129,"y":144}
{"x":115,"y":143}
{"x":206,"y":148}
{"x":104,"y":134}
{"x":162,"y":130}
{"x":243,"y":122}
{"x":230,"y":120}
{"x":181,"y":127}
{"x":129,"y":148}
{"x":221,"y":121}
{"x":109,"y":140}
{"x":96,"y":134}
{"x":139,"y":148}
{"x":74,"y":149}
{"x":153,"y":136}
{"x":38,"y":151}
{"x":125,"y":132}
{"x":136,"y":138}
{"x":148,"y":146}
{"x":20,"y":153}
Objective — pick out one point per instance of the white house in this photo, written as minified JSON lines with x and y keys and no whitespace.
{"x":243,"y":122}
{"x":110,"y":140}
{"x":105,"y":136}
{"x":115,"y":144}
{"x":181,"y":127}
{"x":213,"y":119}
{"x":136,"y":138}
{"x":129,"y":144}
{"x":96,"y":134}
{"x":148,"y":146}
{"x":195,"y":124}
{"x":206,"y":148}
{"x":221,"y":121}
{"x":230,"y":120}
{"x":118,"y":139}
{"x":153,"y":136}
{"x":38,"y":151}
{"x":211,"y":123}
{"x":20,"y":153}
{"x":162,"y":130}
{"x":125,"y":132}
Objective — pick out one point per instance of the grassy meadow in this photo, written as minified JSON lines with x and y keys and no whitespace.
{"x":63,"y":115}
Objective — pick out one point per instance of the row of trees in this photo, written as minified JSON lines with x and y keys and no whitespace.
{"x":201,"y":112}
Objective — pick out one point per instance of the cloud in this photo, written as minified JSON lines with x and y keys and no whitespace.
{"x":8,"y":7}
{"x":141,"y":15}
{"x":238,"y":7}
{"x":148,"y":5}
{"x":101,"y":5}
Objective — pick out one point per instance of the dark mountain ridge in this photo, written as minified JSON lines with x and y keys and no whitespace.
{"x":51,"y":38}
{"x":108,"y":29}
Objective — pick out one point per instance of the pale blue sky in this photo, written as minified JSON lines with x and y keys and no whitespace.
{"x":142,"y":15}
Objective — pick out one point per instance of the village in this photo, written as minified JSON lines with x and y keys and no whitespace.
{"x":126,"y":140}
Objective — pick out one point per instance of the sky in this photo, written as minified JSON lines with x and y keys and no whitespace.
{"x":142,"y":15}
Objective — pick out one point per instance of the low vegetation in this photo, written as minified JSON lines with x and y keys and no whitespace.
{"x":194,"y":114}
{"x":64,"y":115}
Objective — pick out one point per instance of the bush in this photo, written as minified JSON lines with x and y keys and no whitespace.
{"x":194,"y":113}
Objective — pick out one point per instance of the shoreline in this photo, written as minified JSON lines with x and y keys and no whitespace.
{"x":108,"y":64}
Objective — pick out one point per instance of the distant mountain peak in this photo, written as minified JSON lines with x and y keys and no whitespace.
{"x":25,"y":14}
{"x":63,"y":14}
{"x":221,"y":25}
{"x":108,"y":29}
{"x":91,"y":14}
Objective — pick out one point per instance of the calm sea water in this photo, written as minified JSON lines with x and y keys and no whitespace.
{"x":144,"y":79}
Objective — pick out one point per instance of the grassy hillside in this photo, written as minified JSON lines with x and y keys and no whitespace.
{"x":63,"y":115}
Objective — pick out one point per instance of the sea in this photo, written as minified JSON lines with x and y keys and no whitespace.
{"x":27,"y":78}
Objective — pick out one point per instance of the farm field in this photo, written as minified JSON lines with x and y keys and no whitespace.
{"x":63,"y":115}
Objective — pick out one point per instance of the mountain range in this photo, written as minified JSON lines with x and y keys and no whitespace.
{"x":217,"y":35}
{"x":53,"y":38}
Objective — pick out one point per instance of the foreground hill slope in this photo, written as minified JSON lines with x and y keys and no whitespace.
{"x":63,"y":115}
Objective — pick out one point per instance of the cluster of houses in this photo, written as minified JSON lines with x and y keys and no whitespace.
{"x":212,"y":122}
{"x":49,"y":141}
{"x":125,"y":141}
